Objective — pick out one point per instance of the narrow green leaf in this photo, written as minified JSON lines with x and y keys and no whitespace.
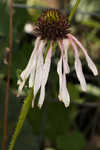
{"x":91,"y":23}
{"x":25,"y":109}
{"x":73,"y":10}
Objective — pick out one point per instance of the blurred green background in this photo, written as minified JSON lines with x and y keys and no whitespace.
{"x":53,"y":127}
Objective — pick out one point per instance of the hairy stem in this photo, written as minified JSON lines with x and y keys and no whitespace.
{"x":24,"y":111}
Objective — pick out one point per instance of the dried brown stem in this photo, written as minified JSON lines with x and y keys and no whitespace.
{"x":8,"y":80}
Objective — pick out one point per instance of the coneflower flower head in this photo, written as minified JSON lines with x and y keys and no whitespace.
{"x":52,"y":26}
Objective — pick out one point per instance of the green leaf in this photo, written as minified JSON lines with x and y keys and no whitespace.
{"x":57,"y":122}
{"x":4,"y":19}
{"x":18,"y":72}
{"x":34,"y":118}
{"x":91,"y":23}
{"x":25,"y":109}
{"x":73,"y":10}
{"x":73,"y":141}
{"x":74,"y":95}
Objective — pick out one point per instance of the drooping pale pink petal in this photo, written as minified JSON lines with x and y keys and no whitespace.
{"x":64,"y":56}
{"x":32,"y":74}
{"x":24,"y":75}
{"x":59,"y":71}
{"x":38,"y":76}
{"x":66,"y":46}
{"x":88,"y":59}
{"x":78,"y":67}
{"x":33,"y":102}
{"x":39,"y":68}
{"x":46,"y":69}
{"x":64,"y":92}
{"x":21,"y":85}
{"x":42,"y":96}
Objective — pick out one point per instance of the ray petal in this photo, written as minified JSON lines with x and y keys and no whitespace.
{"x":59,"y":71}
{"x":39,"y":68}
{"x":91,"y":64}
{"x":24,"y":75}
{"x":78,"y":67}
{"x":64,"y":92}
{"x":46,"y":69}
{"x":64,"y":56}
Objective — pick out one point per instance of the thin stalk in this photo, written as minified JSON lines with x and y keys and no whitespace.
{"x":23,"y":114}
{"x":73,"y":10}
{"x":8,"y":80}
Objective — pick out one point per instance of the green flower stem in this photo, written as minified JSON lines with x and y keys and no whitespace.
{"x":24,"y":111}
{"x":73,"y":10}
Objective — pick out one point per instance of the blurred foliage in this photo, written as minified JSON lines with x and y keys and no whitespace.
{"x":4,"y":28}
{"x":57,"y":126}
{"x":91,"y":18}
{"x":74,"y":141}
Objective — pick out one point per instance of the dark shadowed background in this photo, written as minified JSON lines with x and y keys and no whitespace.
{"x":53,"y":127}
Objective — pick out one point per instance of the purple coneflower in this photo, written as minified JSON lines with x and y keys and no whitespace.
{"x":53,"y":26}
